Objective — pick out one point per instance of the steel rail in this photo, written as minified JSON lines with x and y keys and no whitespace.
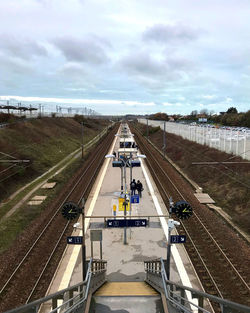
{"x":53,"y":217}
{"x":204,"y":227}
{"x":78,"y":202}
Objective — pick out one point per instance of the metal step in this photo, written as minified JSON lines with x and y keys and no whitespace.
{"x":126,"y":304}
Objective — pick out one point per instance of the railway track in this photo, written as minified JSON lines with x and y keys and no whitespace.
{"x":29,"y":280}
{"x":209,"y":243}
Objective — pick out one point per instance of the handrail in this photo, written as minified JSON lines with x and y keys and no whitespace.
{"x":96,"y":271}
{"x":176,"y":293}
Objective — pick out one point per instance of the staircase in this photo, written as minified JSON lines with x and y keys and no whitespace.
{"x":95,"y":295}
{"x":134,"y":297}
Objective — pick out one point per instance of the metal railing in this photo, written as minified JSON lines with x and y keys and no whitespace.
{"x":177,"y":295}
{"x":71,"y":299}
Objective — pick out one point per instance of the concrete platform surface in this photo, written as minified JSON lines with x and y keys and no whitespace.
{"x":49,"y":185}
{"x":125,"y":262}
{"x":204,"y":198}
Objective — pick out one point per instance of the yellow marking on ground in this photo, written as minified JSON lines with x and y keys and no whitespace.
{"x":126,"y":289}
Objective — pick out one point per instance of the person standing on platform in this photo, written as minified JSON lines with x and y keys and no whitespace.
{"x":114,"y":153}
{"x":133,"y":187}
{"x":139,"y":188}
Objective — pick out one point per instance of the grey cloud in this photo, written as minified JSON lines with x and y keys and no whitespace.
{"x":21,"y":47}
{"x":72,"y":69}
{"x":155,"y":73}
{"x":143,"y":64}
{"x":169,"y":33}
{"x":88,"y":50}
{"x":15,"y":66}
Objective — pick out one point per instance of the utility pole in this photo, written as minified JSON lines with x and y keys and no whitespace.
{"x":164,"y":139}
{"x":82,"y":140}
{"x":147,"y":128}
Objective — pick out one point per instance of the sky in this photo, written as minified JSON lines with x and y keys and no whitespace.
{"x":126,"y":56}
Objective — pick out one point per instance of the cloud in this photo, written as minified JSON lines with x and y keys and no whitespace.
{"x":23,"y":48}
{"x":170,"y":33}
{"x":209,"y":97}
{"x":78,"y":101}
{"x":168,"y":104}
{"x":72,"y":69}
{"x":155,"y":72}
{"x":82,"y":50}
{"x":143,"y":64}
{"x":15,"y":66}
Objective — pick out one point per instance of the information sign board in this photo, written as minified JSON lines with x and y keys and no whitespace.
{"x":127,"y":223}
{"x":135,"y":199}
{"x":121,"y":206}
{"x":74,"y":240}
{"x":177,"y":239}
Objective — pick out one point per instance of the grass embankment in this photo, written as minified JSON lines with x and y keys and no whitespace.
{"x":45,"y":142}
{"x":227,"y":184}
{"x":12,"y":226}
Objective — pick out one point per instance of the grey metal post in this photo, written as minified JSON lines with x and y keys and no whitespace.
{"x":147,"y":129}
{"x":125,"y":204}
{"x":83,"y":242}
{"x":82,"y":140}
{"x":122,"y":179}
{"x":168,"y":256}
{"x":130,"y":169}
{"x":164,"y":140}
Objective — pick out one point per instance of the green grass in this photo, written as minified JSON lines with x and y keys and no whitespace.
{"x":11,"y":227}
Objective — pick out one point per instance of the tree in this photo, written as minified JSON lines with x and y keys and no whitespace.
{"x":194,"y":113}
{"x":232,"y":110}
{"x":204,"y":111}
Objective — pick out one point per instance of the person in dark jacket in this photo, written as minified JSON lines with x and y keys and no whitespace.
{"x":139,"y":188}
{"x":133,"y":187}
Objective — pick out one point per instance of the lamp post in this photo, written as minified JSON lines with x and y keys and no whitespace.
{"x":123,"y":163}
{"x":83,"y":242}
{"x":82,"y":140}
{"x":171,"y":226}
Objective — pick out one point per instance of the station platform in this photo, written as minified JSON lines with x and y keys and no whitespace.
{"x":125,"y":262}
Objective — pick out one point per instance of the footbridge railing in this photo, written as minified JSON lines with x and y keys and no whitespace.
{"x":182,"y":298}
{"x":73,"y":299}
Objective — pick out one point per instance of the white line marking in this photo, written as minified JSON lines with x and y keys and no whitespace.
{"x":176,"y":256}
{"x":76,"y":250}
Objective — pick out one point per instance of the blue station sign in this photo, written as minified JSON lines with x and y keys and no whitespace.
{"x":127,"y":223}
{"x":74,"y":240}
{"x":135,"y":199}
{"x":178,"y":239}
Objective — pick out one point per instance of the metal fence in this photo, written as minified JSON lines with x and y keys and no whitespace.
{"x":184,"y":299}
{"x":228,"y":140}
{"x":72,"y":299}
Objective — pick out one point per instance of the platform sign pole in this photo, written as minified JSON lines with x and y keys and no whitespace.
{"x":171,"y":226}
{"x":125,"y":228}
{"x":168,"y":255}
{"x":130,"y":169}
{"x":122,"y":179}
{"x":125,"y":205}
{"x":83,"y":242}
